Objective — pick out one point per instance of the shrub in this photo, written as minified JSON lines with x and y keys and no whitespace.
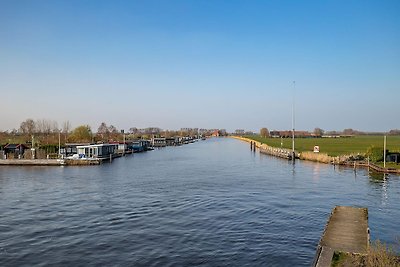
{"x":379,"y":255}
{"x":375,"y":153}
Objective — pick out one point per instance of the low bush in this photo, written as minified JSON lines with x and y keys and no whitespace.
{"x":375,"y":153}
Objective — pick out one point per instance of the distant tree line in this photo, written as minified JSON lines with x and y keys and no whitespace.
{"x":43,"y":132}
{"x":318,"y":132}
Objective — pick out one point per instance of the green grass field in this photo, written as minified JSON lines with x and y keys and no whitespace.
{"x":334,"y":146}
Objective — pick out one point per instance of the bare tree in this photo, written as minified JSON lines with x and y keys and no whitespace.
{"x":318,"y":132}
{"x":47,"y":126}
{"x":133,"y":130}
{"x":152,"y":130}
{"x":264,"y":132}
{"x":54,"y":126}
{"x":103,"y":129}
{"x":66,"y":127}
{"x":112,"y":129}
{"x":348,"y":131}
{"x":39,"y":126}
{"x":27,"y":126}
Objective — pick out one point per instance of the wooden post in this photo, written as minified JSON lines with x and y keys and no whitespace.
{"x":110,"y":158}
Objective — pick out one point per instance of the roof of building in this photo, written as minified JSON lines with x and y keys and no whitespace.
{"x":15,"y":146}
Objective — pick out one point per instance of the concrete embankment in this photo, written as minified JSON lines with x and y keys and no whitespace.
{"x":47,"y":162}
{"x":32,"y":162}
{"x":266,"y":149}
{"x":345,"y":160}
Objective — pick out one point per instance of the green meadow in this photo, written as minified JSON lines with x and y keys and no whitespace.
{"x":334,"y":146}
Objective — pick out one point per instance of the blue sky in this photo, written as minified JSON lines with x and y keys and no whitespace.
{"x":207,"y":64}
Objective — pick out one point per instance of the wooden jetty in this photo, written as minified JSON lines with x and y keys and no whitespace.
{"x":371,"y":166}
{"x":346,"y":231}
{"x":32,"y":162}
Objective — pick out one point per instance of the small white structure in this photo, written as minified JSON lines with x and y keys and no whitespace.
{"x":316,"y":149}
{"x":97,"y":150}
{"x":122,"y":148}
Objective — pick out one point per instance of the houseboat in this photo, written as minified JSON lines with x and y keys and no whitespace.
{"x":159,"y":142}
{"x":97,"y":151}
{"x":139,"y":145}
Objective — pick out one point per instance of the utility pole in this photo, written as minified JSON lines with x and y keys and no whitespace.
{"x":59,"y":143}
{"x":33,"y":147}
{"x":123,"y":134}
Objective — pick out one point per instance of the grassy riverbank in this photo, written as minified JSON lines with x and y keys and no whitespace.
{"x":333,"y":146}
{"x":379,"y":254}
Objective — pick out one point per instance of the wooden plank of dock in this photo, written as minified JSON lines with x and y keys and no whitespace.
{"x":346,"y":231}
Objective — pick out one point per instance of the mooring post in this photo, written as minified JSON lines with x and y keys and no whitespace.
{"x":251,"y":145}
{"x":110,"y":158}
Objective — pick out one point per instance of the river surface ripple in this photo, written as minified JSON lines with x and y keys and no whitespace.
{"x":211,"y":203}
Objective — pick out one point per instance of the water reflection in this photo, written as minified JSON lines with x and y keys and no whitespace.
{"x":293,"y":168}
{"x":377,"y":177}
{"x":316,"y":172}
{"x":212,"y":203}
{"x":380,"y":181}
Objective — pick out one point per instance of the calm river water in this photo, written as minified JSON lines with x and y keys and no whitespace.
{"x":211,"y":203}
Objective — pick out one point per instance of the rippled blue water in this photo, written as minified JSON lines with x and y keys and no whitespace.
{"x":212,"y":203}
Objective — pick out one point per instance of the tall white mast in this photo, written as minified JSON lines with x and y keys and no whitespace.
{"x":293,"y":133}
{"x":384,"y":151}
